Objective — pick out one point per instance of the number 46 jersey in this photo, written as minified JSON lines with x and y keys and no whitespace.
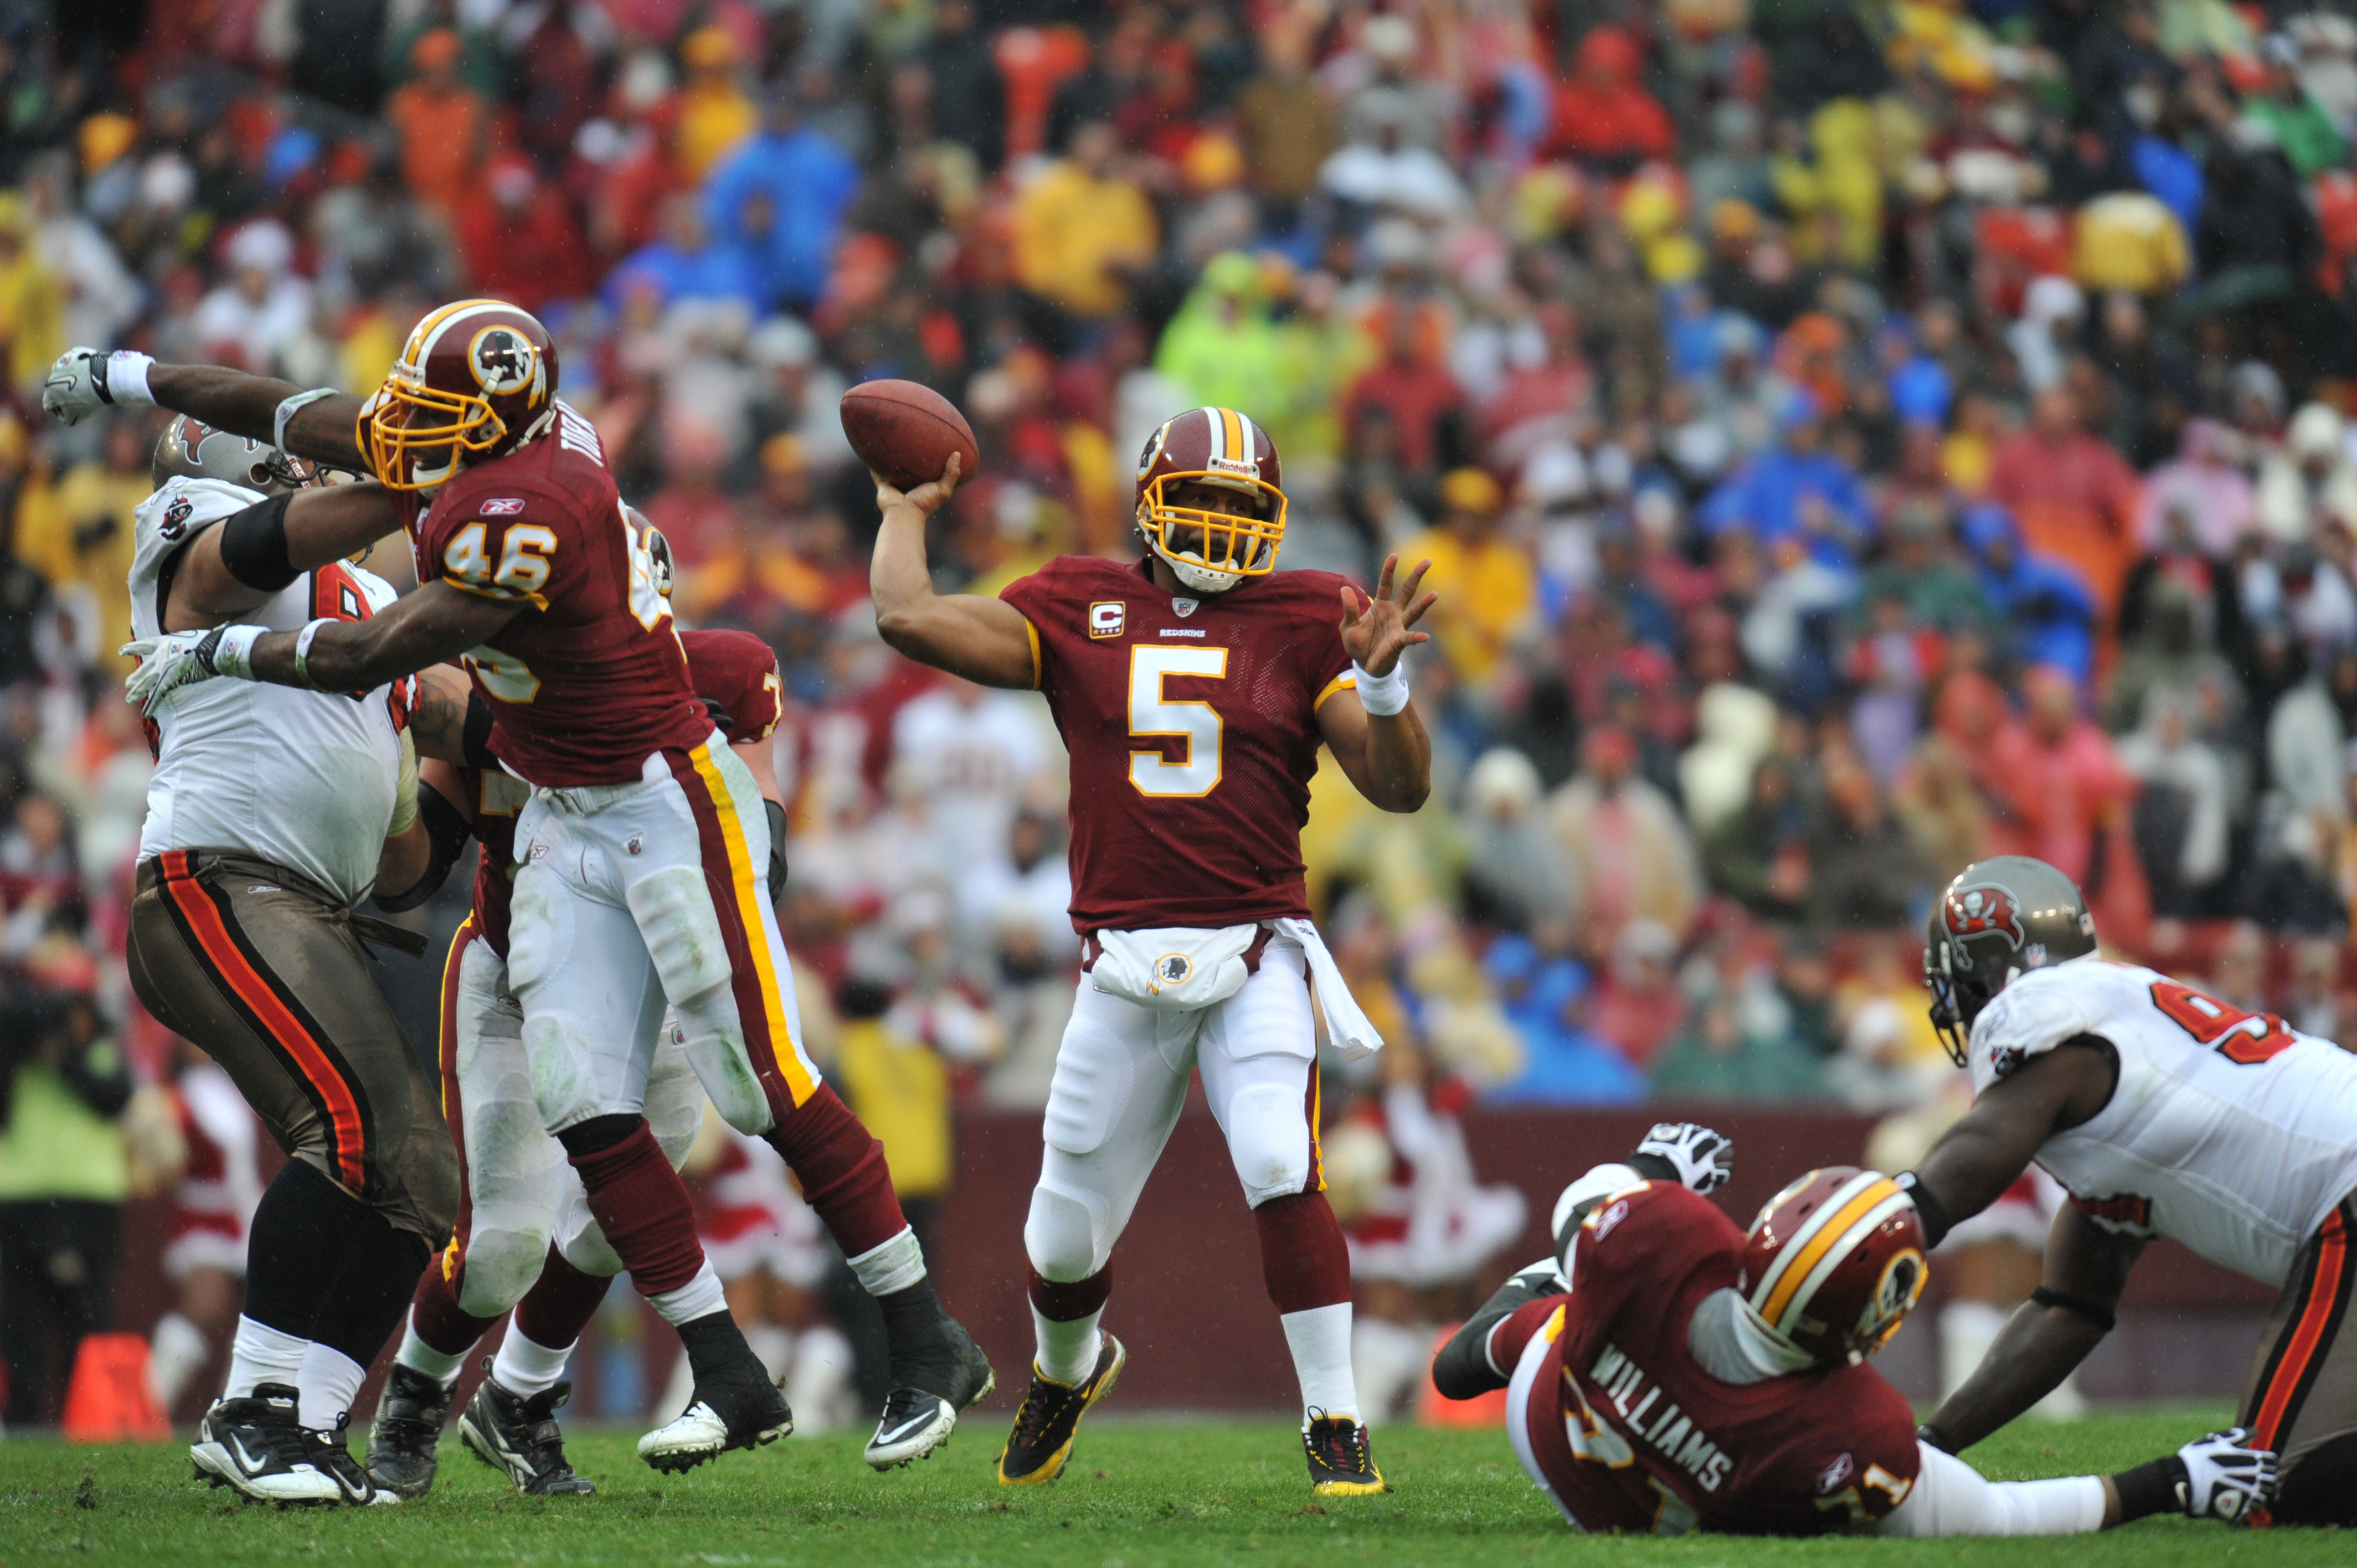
{"x":591,"y":680}
{"x":1192,"y":724}
{"x":2229,"y":1131}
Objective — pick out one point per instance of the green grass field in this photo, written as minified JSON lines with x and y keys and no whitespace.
{"x":1137,"y":1494}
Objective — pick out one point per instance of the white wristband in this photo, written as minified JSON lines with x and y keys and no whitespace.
{"x":289,"y":407}
{"x":1382,"y":695}
{"x":233,"y":654}
{"x":303,"y":651}
{"x":126,"y":379}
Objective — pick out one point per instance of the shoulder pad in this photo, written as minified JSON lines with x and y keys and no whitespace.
{"x":2032,"y":1016}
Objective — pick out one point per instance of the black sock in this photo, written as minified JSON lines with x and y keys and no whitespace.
{"x":303,"y":1232}
{"x":912,"y":1321}
{"x":2149,"y":1488}
{"x":715,"y":1344}
{"x":366,"y":1303}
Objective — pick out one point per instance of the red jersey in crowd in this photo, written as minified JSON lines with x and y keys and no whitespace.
{"x":1192,"y":724}
{"x":1633,"y":1435}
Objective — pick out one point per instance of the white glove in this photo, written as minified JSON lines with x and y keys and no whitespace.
{"x":180,"y":659}
{"x":1702,"y":1158}
{"x":84,"y":381}
{"x":2225,"y":1479}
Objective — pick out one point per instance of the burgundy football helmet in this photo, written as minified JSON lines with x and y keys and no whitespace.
{"x":477,"y":379}
{"x":2000,"y":919}
{"x":1212,"y":551}
{"x":1835,"y":1262}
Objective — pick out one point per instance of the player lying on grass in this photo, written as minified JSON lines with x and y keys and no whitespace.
{"x":1668,"y":1373}
{"x":2164,"y":1112}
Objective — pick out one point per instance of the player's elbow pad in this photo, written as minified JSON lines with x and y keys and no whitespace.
{"x":777,"y":815}
{"x":253,"y":545}
{"x":446,"y":831}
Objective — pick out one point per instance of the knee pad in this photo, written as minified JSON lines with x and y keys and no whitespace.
{"x":578,"y":1239}
{"x":674,"y":910}
{"x":563,"y":1087}
{"x":1091,"y":1086}
{"x":674,"y":1098}
{"x":1061,"y":1234}
{"x":717,"y":1055}
{"x":502,"y":1261}
{"x":1268,"y":1138}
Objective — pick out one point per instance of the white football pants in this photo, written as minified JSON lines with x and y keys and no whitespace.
{"x":1121,"y":1081}
{"x":521,"y":1192}
{"x":629,"y":896}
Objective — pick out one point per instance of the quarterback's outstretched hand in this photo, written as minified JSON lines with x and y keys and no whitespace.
{"x":1376,"y":635}
{"x":928,"y":498}
{"x":2224,"y":1478}
{"x":1701,"y":1158}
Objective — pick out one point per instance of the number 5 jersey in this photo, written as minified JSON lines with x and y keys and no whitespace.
{"x":2228,"y":1131}
{"x":1192,"y":724}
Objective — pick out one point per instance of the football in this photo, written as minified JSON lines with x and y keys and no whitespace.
{"x":906,"y":431}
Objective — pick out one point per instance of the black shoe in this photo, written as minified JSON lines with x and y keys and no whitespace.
{"x":929,"y":1389}
{"x":259,"y":1446}
{"x":1051,"y":1417}
{"x":331,"y":1452}
{"x":735,"y":1404}
{"x":1341,"y":1464}
{"x":520,"y":1437}
{"x":407,"y":1431}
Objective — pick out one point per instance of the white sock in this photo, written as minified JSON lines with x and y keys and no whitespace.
{"x":1320,"y":1340}
{"x":699,"y":1297}
{"x":890,"y":1266}
{"x":526,"y":1366}
{"x":1968,"y":1329}
{"x":821,"y":1372}
{"x":1068,"y":1351}
{"x":419,"y":1356}
{"x":329,"y":1382}
{"x":1386,"y":1361}
{"x":176,"y":1352}
{"x":775,"y":1347}
{"x":261,"y":1354}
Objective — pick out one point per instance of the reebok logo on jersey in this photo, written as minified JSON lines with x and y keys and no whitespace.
{"x":504,"y":506}
{"x":1830,"y":1479}
{"x":1107,"y":618}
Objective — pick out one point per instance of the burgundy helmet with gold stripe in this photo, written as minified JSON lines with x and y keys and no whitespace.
{"x":1835,"y":1262}
{"x":1211,"y":548}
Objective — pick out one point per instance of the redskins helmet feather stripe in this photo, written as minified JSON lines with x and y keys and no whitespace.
{"x":1211,"y":551}
{"x":1835,"y":1262}
{"x":476,"y":378}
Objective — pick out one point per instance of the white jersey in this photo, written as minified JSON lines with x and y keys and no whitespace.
{"x":2229,"y":1132}
{"x":303,"y":779}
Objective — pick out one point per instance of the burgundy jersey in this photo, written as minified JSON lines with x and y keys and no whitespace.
{"x":734,"y":673}
{"x":1193,"y":726}
{"x":591,"y":680}
{"x":1796,"y":1454}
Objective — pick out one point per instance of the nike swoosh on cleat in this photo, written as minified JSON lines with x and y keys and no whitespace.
{"x":886,"y":1439}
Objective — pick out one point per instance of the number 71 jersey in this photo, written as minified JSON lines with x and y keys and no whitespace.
{"x":1193,"y":726}
{"x":2229,"y":1131}
{"x":591,"y":680}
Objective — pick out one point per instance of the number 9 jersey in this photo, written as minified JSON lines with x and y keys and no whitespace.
{"x":592,"y":681}
{"x":2227,"y":1131}
{"x":1192,"y":724}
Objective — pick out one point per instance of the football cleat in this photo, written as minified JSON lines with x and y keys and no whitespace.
{"x":922,"y":1409}
{"x":331,"y":1452}
{"x":1342,"y":1463}
{"x":407,"y":1431}
{"x":1049,"y":1417}
{"x":258,"y":1446}
{"x":518,"y":1437}
{"x":734,"y":1408}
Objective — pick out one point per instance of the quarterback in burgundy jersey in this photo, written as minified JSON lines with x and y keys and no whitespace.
{"x":1194,"y":687}
{"x":1667,"y":1371}
{"x":644,"y":838}
{"x":524,"y":1238}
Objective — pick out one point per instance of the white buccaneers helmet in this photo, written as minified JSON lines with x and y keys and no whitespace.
{"x":191,"y":449}
{"x":1211,"y":551}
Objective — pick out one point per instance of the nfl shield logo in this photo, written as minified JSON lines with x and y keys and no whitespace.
{"x":1184,"y":608}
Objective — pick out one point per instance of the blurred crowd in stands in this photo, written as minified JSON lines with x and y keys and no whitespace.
{"x":1851,"y":437}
